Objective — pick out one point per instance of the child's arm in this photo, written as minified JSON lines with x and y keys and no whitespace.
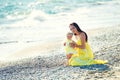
{"x":73,"y":44}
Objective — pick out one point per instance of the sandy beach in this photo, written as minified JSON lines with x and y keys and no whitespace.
{"x":105,"y":43}
{"x":43,"y":49}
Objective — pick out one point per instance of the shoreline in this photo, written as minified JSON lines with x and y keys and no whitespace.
{"x":30,"y":50}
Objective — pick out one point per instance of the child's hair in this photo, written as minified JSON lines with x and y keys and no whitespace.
{"x":69,"y":33}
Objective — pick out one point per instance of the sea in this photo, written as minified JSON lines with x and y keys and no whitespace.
{"x":29,"y":22}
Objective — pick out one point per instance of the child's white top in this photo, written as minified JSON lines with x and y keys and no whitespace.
{"x":69,"y":49}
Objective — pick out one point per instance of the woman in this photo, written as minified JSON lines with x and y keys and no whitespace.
{"x":84,"y":54}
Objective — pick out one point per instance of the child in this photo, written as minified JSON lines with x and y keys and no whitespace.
{"x":69,"y":50}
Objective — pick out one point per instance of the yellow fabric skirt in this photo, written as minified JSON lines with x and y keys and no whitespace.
{"x":84,"y":57}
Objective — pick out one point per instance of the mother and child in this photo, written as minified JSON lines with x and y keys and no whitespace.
{"x":78,"y":51}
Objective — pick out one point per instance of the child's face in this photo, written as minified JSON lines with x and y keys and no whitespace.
{"x":69,"y":36}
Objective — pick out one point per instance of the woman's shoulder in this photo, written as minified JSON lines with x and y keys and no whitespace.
{"x":82,"y":34}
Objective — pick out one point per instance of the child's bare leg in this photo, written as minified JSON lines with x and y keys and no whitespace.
{"x":68,"y":57}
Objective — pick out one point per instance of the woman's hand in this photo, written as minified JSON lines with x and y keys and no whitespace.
{"x":73,"y":45}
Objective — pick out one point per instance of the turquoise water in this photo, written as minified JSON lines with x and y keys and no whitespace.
{"x":21,"y":7}
{"x":36,"y":21}
{"x":15,"y":8}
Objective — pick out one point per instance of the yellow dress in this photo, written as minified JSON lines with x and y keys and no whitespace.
{"x":84,"y":56}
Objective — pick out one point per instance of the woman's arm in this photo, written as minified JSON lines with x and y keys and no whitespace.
{"x":82,"y":37}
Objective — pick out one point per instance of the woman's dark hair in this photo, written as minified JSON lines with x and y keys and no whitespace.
{"x":79,"y":30}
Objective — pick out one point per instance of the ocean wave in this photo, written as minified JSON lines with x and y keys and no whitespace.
{"x":47,"y":6}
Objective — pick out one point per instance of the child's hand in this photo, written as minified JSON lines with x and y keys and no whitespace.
{"x":73,"y":45}
{"x":64,"y":44}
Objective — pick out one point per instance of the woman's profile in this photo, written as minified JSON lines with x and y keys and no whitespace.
{"x":84,"y":54}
